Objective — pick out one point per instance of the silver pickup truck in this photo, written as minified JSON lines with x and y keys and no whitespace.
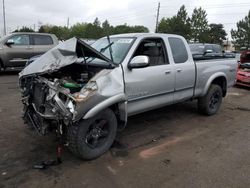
{"x":86,"y":93}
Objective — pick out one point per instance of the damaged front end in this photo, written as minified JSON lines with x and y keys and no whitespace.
{"x":60,"y":87}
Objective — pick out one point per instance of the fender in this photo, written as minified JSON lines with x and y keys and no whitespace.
{"x":120,"y":98}
{"x":211,"y":79}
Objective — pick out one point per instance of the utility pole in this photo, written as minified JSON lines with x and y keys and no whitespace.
{"x":157,"y":17}
{"x":68,"y":23}
{"x":4,"y":22}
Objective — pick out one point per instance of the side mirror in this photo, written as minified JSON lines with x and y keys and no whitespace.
{"x":139,"y":61}
{"x":9,"y":42}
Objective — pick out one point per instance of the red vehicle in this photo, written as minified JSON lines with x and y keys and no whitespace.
{"x":245,"y":56}
{"x":243,"y":74}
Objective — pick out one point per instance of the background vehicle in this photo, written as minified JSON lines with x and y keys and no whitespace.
{"x":86,"y":93}
{"x":243,"y":74}
{"x":17,"y":48}
{"x":228,"y":54}
{"x":204,"y":51}
{"x":245,"y":56}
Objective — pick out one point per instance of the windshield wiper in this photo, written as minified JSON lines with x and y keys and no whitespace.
{"x":102,"y":50}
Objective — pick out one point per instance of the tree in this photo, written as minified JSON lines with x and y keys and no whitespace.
{"x":97,"y":22}
{"x":62,"y":33}
{"x":129,"y":29}
{"x":216,"y":33}
{"x":78,"y":30}
{"x":199,"y":25}
{"x":93,"y":30}
{"x":178,"y":24}
{"x":24,"y":29}
{"x":241,"y":35}
{"x":107,"y":28}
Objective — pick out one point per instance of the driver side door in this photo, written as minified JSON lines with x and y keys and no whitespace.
{"x":19,"y":52}
{"x":153,"y":86}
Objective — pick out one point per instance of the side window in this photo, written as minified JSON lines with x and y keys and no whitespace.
{"x":20,"y":39}
{"x":209,"y":47}
{"x":153,"y":48}
{"x":178,"y":49}
{"x":217,"y":49}
{"x":42,"y":40}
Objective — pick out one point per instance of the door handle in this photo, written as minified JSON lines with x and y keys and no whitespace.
{"x":29,"y":47}
{"x":179,"y":70}
{"x":167,"y":71}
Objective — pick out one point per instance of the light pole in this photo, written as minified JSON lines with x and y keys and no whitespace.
{"x":4,"y":22}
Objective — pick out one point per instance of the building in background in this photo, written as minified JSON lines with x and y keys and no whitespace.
{"x":227,"y":45}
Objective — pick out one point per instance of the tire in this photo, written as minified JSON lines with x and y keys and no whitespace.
{"x":93,"y":137}
{"x":211,"y":102}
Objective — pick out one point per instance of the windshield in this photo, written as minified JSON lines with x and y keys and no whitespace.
{"x":119,"y":46}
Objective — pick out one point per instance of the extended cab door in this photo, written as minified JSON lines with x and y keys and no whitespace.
{"x":41,"y":43}
{"x":184,"y":69}
{"x":19,"y":52}
{"x":150,"y":87}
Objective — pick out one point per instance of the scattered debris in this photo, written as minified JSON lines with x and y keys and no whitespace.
{"x":46,"y":164}
{"x":113,"y":171}
{"x":166,"y":161}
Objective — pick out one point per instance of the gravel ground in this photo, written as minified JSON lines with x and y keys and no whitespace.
{"x":169,"y":147}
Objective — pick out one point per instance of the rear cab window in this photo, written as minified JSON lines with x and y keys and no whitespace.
{"x":41,"y":40}
{"x":178,"y":49}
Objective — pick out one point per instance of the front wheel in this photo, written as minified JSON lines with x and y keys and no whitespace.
{"x":211,"y":102}
{"x":93,"y":137}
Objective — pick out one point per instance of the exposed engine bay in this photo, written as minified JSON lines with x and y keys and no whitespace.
{"x":61,"y":94}
{"x":53,"y":98}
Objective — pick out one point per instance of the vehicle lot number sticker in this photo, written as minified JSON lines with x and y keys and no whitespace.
{"x":124,"y":40}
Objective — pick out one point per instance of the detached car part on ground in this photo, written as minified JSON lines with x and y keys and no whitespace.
{"x":85,"y":93}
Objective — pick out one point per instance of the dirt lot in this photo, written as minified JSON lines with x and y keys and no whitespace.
{"x":169,"y":147}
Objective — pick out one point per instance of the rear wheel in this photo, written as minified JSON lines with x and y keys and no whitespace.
{"x":211,"y":102}
{"x":93,"y":137}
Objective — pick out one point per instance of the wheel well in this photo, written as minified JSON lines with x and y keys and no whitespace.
{"x":222,"y":82}
{"x":121,"y":123}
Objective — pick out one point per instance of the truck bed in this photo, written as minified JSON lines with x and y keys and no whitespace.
{"x":209,"y":69}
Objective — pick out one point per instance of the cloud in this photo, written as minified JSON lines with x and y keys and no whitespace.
{"x":140,"y":12}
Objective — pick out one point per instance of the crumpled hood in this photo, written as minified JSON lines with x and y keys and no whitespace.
{"x":62,"y":55}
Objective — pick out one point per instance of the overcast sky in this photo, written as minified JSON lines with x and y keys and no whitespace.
{"x":31,"y":13}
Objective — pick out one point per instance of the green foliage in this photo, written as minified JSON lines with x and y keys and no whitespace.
{"x":241,"y":35}
{"x":216,"y":33}
{"x":178,"y":24}
{"x":194,"y":29}
{"x":78,"y":30}
{"x":61,"y":32}
{"x":24,"y":29}
{"x":107,"y":28}
{"x":93,"y":30}
{"x":199,"y":25}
